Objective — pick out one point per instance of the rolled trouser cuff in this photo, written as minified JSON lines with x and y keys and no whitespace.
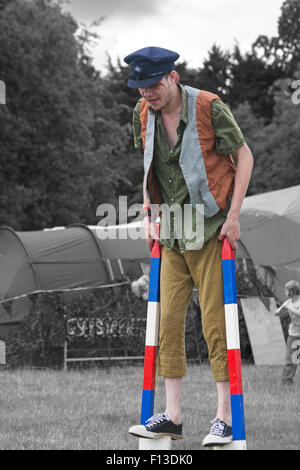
{"x":172,"y":366}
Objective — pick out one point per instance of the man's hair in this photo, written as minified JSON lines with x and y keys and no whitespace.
{"x":177,"y":75}
{"x":293,"y":288}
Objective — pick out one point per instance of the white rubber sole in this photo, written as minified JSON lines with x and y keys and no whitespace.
{"x":141,"y":431}
{"x":210,"y":440}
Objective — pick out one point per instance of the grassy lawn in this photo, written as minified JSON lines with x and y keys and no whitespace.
{"x":93,"y":409}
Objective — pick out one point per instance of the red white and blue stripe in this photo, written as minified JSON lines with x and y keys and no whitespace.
{"x":151,"y":343}
{"x":233,"y":344}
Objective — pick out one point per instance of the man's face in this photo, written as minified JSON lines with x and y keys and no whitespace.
{"x":157,"y":95}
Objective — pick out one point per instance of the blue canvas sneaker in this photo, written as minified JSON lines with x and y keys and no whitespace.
{"x":157,"y":426}
{"x":220,"y":433}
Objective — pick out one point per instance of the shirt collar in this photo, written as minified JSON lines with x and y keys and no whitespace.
{"x":184,"y":109}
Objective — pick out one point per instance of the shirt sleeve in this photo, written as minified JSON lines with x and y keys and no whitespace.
{"x":136,"y":127}
{"x":229,"y":137}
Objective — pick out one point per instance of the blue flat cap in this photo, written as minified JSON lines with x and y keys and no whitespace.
{"x":148,"y":65}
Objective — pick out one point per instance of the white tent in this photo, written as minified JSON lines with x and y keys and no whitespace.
{"x":270,"y":230}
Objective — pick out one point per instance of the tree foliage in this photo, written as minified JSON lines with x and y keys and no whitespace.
{"x":66,"y":142}
{"x":52,"y":166}
{"x":277,"y":145}
{"x":283,"y":51}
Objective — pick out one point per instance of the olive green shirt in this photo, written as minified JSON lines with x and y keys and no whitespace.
{"x":172,"y":183}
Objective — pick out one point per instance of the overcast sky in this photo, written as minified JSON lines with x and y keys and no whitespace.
{"x":190,"y":27}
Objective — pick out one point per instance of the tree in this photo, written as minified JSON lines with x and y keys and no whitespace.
{"x":52,"y":170}
{"x":251,"y":79}
{"x":277,"y":145}
{"x":3,"y":4}
{"x":127,"y":163}
{"x":283,"y":51}
{"x":215,"y":73}
{"x":289,"y":34}
{"x":250,"y":126}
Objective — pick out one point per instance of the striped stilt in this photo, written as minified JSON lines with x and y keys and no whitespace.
{"x":233,"y":349}
{"x":151,"y":347}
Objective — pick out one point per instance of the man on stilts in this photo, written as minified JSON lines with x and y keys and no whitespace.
{"x":196,"y":158}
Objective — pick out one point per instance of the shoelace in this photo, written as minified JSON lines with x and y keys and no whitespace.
{"x":156,"y":419}
{"x":218,"y":427}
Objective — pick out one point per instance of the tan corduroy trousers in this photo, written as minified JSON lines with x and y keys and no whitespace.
{"x":180,"y":272}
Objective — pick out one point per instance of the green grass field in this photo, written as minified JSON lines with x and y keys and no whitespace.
{"x":93,"y":409}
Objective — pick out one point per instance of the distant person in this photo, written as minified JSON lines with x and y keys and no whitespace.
{"x":194,"y":156}
{"x":140,"y":287}
{"x":291,"y":307}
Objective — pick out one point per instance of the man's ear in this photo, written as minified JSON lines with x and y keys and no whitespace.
{"x":174,"y":77}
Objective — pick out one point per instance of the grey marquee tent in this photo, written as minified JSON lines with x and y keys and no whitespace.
{"x":58,"y":259}
{"x":79,"y":256}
